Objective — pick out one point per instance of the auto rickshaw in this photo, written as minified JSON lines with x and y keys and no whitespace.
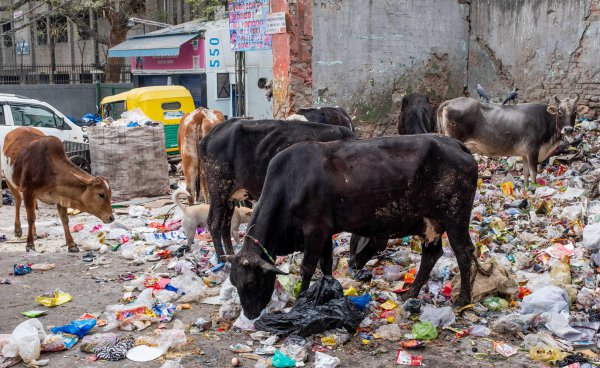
{"x":166,"y":104}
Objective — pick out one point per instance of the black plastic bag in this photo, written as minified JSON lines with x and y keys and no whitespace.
{"x":322,"y":307}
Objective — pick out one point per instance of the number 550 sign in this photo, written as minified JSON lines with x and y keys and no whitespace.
{"x":216,"y":43}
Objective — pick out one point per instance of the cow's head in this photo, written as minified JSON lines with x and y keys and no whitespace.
{"x":96,"y":197}
{"x":565,"y":112}
{"x":254,"y":279}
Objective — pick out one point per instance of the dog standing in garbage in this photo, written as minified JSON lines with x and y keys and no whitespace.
{"x":195,"y":216}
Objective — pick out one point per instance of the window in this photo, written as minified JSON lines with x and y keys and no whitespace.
{"x":114,"y":109}
{"x":41,"y":31}
{"x":35,"y":116}
{"x":86,"y":78}
{"x":61,"y":78}
{"x":223,"y":87}
{"x":171,"y":105}
{"x":6,"y":31}
{"x":2,"y":119}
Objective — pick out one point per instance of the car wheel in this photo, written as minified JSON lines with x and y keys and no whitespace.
{"x":81,"y":163}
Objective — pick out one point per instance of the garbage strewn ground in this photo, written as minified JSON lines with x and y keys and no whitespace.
{"x":128,"y":297}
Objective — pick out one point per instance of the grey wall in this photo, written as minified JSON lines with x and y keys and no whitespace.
{"x":74,"y":100}
{"x":367,"y":54}
{"x":543,"y":47}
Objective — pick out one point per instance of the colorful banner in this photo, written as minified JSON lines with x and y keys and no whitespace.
{"x":247,"y":25}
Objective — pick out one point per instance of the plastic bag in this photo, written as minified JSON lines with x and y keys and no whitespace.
{"x":479,"y":331}
{"x":362,"y":301}
{"x":591,"y":237}
{"x":513,"y":323}
{"x":59,"y":342}
{"x":424,"y":331}
{"x":546,"y":299}
{"x":392,"y":272}
{"x":391,"y":332}
{"x":281,"y":360}
{"x":92,"y":342}
{"x":54,"y":298}
{"x":77,"y":328}
{"x":25,"y":341}
{"x":438,"y":316}
{"x":546,"y":354}
{"x":296,"y":347}
{"x":323,"y":360}
{"x":322,"y":307}
{"x":495,"y":303}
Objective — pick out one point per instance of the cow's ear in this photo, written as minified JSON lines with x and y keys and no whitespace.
{"x":268,"y":267}
{"x":552,"y":109}
{"x":249,"y":213}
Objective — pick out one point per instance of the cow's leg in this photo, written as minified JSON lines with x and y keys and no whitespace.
{"x":216,"y":214}
{"x":17,"y":195}
{"x":314,"y":241}
{"x":191,"y":179}
{"x":429,"y":257}
{"x":525,"y":172}
{"x":326,"y":261}
{"x":463,"y":248}
{"x":64,"y":218}
{"x":29,"y":200}
{"x":203,"y":185}
{"x":532,"y":161}
{"x":226,"y":229}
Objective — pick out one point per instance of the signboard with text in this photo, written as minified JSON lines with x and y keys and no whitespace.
{"x":247,"y":25}
{"x":276,"y":23}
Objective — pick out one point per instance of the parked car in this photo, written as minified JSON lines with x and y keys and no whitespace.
{"x":166,"y":104}
{"x":16,"y":111}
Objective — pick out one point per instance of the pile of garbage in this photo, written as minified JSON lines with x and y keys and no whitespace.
{"x":541,"y":246}
{"x":130,"y":119}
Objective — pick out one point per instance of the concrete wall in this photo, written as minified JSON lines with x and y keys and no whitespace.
{"x":542,"y":47}
{"x":367,"y":54}
{"x":73,"y":100}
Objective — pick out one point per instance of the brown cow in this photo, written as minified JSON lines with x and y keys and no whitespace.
{"x":37,"y":165}
{"x":192,"y":128}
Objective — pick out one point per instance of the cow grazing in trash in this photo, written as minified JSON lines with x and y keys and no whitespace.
{"x":386,"y":187}
{"x":236,"y":155}
{"x":324,"y":115}
{"x":417,"y":115}
{"x":530,"y":130}
{"x":37,"y":166}
{"x":192,"y":128}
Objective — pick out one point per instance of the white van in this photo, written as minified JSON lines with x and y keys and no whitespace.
{"x":16,"y":111}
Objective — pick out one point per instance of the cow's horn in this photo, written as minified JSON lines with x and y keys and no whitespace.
{"x":362,"y":244}
{"x":576,"y":98}
{"x":557,"y":99}
{"x":83,"y":180}
{"x":268,"y":267}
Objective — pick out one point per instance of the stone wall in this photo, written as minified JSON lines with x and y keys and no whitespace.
{"x":368,"y":54}
{"x":544,"y":48}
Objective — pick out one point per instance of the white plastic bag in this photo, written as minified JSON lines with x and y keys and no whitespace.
{"x":391,"y":332}
{"x":591,"y":237}
{"x":438,"y":316}
{"x":26,"y":341}
{"x":323,"y":360}
{"x":546,"y":299}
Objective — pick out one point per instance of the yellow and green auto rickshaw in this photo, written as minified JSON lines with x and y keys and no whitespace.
{"x":166,"y":104}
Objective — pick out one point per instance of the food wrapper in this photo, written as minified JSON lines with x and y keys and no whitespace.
{"x":404,"y":358}
{"x":54,"y":298}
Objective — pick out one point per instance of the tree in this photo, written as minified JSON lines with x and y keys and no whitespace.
{"x":207,"y":8}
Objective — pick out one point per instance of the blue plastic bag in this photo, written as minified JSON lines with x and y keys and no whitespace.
{"x":77,"y":328}
{"x":281,"y":360}
{"x":361,"y":302}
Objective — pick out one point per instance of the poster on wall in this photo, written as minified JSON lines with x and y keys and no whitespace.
{"x":247,"y":25}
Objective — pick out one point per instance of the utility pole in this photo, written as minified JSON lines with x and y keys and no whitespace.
{"x":240,"y":83}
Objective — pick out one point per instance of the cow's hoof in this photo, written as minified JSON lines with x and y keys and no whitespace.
{"x":181,"y":251}
{"x":73,"y":249}
{"x":30,"y":248}
{"x":18,"y":232}
{"x":461,"y":302}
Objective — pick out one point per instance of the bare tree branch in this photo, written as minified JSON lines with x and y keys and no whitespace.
{"x":14,"y":6}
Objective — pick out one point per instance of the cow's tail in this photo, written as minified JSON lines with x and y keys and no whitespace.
{"x":176,"y":197}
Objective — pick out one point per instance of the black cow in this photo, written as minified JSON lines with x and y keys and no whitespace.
{"x":324,"y":115}
{"x":236,"y":155}
{"x":417,"y":115}
{"x":386,"y":187}
{"x":530,"y":130}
